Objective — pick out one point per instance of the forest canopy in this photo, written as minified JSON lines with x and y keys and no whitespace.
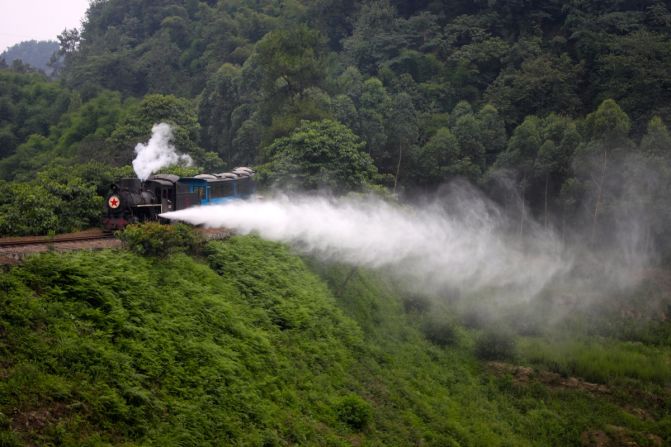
{"x":538,"y":93}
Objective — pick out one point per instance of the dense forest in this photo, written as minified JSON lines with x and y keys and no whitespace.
{"x":565,"y":103}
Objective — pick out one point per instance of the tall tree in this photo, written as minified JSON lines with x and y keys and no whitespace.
{"x":218,"y":102}
{"x":403,"y":129}
{"x":607,"y":130}
{"x":320,"y":155}
{"x":375,"y":105}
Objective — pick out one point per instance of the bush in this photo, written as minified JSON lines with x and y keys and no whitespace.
{"x":440,"y":332}
{"x":353,"y":411}
{"x":154,"y":239}
{"x":416,"y":303}
{"x":496,"y":344}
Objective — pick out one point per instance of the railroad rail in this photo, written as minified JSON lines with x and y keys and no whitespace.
{"x":13,"y":250}
{"x":88,"y":235}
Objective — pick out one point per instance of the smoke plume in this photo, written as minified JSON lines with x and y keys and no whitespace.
{"x":158,"y":153}
{"x":460,"y":242}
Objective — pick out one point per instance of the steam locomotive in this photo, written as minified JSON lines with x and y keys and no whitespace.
{"x":132,"y":200}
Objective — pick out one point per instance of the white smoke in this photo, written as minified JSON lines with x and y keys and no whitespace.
{"x":460,"y":243}
{"x":158,"y":153}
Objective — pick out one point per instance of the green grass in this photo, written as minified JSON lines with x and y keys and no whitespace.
{"x":252,"y":345}
{"x":600,"y":360}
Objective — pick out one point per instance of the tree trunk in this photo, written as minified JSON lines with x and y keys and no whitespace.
{"x":599,"y":196}
{"x":563,"y":227}
{"x":547,"y":180}
{"x":349,"y":276}
{"x":398,"y":166}
{"x":523,"y":205}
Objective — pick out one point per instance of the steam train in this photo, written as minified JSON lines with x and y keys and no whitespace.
{"x":132,"y":200}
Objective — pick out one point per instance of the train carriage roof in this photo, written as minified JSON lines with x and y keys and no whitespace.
{"x":170,"y":178}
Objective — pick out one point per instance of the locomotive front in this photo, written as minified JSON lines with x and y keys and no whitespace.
{"x":130,"y":201}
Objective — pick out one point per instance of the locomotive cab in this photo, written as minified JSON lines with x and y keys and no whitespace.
{"x":131,"y":201}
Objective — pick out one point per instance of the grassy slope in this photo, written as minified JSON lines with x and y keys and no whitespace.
{"x":252,"y":347}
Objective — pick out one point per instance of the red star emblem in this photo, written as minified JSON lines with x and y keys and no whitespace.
{"x":113,"y":202}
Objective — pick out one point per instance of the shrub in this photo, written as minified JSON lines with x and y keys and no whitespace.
{"x":416,"y":303}
{"x":154,"y":239}
{"x":496,"y":344}
{"x":353,"y":411}
{"x":476,"y":318}
{"x":440,"y":332}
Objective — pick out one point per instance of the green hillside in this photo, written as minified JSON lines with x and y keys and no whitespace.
{"x":36,"y":54}
{"x":248,"y":344}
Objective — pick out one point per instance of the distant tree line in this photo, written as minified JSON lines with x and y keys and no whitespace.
{"x":33,"y":55}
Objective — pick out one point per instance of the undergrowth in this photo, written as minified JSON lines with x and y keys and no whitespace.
{"x":249,"y":344}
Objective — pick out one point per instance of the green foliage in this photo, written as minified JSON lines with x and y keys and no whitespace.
{"x":496,"y":344}
{"x":29,"y":104}
{"x":440,"y":331}
{"x":27,"y":210}
{"x":135,"y":350}
{"x":219,"y":102}
{"x":34,"y":53}
{"x":251,"y":347}
{"x":599,"y":360}
{"x":317,"y":155}
{"x":290,"y":60}
{"x":376,"y":36}
{"x":353,"y":411}
{"x":609,"y":122}
{"x":541,"y":85}
{"x":657,"y":140}
{"x":58,"y":200}
{"x":158,"y":240}
{"x":136,"y":126}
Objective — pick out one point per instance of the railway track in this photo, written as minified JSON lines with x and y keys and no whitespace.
{"x":14,"y":249}
{"x":88,"y":235}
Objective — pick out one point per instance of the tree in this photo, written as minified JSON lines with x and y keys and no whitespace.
{"x":136,"y":126}
{"x":520,"y":157}
{"x":541,"y":85}
{"x":290,"y":61}
{"x":553,"y":161}
{"x":26,"y":209}
{"x":218,"y":102}
{"x":634,"y":69}
{"x":323,"y":154}
{"x":657,"y":140}
{"x":468,"y":131}
{"x":492,"y":132}
{"x":376,"y":37}
{"x":374,"y":109}
{"x":403,"y":128}
{"x":607,"y":131}
{"x":441,"y":159}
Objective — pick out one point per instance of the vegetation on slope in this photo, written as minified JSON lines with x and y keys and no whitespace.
{"x":250,"y":345}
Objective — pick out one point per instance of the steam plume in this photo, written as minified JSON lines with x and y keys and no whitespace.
{"x":458,"y":242}
{"x":158,"y":153}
